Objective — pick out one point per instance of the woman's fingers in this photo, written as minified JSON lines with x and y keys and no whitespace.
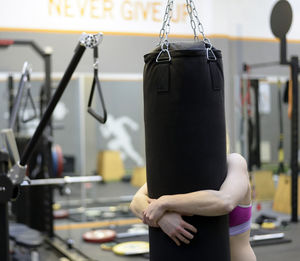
{"x":182,"y":239}
{"x":187,"y":234}
{"x":189,"y":227}
{"x":176,"y":241}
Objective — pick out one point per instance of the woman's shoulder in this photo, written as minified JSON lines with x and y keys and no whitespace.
{"x":237,"y":160}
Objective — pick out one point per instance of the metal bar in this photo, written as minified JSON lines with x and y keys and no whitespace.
{"x":103,"y":200}
{"x":82,"y":138}
{"x":255,"y":86}
{"x":10,"y":85}
{"x":47,"y":145}
{"x":6,"y":42}
{"x":266,"y":237}
{"x":260,"y":65}
{"x":59,"y":244}
{"x":30,"y":43}
{"x":283,"y":59}
{"x":88,"y":210}
{"x":294,"y":139}
{"x":47,"y":85}
{"x":59,"y":91}
{"x":17,"y":100}
{"x":9,"y":42}
{"x":132,"y":234}
{"x":11,"y":145}
{"x":65,"y":180}
{"x":280,"y":143}
{"x":4,"y":239}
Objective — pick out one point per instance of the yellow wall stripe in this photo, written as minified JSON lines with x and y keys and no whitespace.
{"x":212,"y":36}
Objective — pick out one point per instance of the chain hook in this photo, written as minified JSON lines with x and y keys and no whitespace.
{"x":192,"y":11}
{"x":164,"y":31}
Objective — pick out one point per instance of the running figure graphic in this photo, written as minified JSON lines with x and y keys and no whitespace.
{"x":115,"y":130}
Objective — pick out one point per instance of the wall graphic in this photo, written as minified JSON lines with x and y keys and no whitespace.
{"x":115,"y":130}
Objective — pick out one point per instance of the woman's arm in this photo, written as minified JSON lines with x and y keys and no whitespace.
{"x":171,"y":223}
{"x":140,"y":202}
{"x":206,"y":202}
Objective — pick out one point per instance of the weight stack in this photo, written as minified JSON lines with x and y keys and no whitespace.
{"x":185,"y":137}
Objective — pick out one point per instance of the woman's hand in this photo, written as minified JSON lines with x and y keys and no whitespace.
{"x":176,"y":228}
{"x":154,"y":211}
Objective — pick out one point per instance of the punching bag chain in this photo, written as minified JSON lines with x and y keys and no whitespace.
{"x":165,"y":30}
{"x":192,"y":11}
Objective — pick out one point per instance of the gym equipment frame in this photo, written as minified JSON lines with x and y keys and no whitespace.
{"x":281,"y":20}
{"x":11,"y":179}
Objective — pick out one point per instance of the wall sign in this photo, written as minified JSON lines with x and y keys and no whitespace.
{"x":230,"y":18}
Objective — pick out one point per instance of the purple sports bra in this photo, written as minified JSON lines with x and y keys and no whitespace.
{"x":240,"y":220}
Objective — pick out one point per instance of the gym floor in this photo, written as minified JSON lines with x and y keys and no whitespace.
{"x":73,"y":228}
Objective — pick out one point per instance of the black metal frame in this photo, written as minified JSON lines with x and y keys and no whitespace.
{"x":17,"y":100}
{"x":4,"y":239}
{"x":254,"y":155}
{"x":295,"y":70}
{"x":46,"y":57}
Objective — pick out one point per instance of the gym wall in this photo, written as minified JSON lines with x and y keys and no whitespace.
{"x":238,"y":28}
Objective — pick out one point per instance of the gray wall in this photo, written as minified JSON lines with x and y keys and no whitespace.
{"x":124,"y":54}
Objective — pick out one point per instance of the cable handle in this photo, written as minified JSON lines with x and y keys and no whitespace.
{"x":96,"y":83}
{"x":29,"y":98}
{"x":196,"y":25}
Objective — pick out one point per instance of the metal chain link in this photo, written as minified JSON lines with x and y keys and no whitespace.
{"x":191,"y":8}
{"x":193,"y":24}
{"x":165,"y":30}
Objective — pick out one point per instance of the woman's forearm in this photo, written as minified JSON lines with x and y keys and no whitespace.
{"x":204,"y":203}
{"x":213,"y":202}
{"x":140,"y":202}
{"x":138,"y":205}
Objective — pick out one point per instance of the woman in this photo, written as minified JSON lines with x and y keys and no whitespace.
{"x":234,"y":197}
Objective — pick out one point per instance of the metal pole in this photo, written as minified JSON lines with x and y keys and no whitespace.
{"x":294,"y":139}
{"x":4,"y":237}
{"x":47,"y":145}
{"x":17,"y":101}
{"x":11,"y":95}
{"x":255,"y":86}
{"x":61,"y":87}
{"x":30,"y":43}
{"x":47,"y":85}
{"x":82,"y":142}
{"x":283,"y":59}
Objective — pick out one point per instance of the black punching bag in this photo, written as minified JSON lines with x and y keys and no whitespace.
{"x":186,"y":141}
